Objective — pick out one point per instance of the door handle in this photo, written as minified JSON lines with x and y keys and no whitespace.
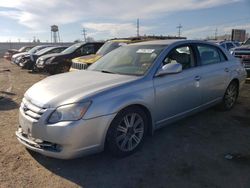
{"x":226,"y":69}
{"x":197,"y":78}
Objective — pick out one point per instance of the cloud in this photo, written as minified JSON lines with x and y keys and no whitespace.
{"x":37,"y":14}
{"x":222,"y":29}
{"x":112,"y":30}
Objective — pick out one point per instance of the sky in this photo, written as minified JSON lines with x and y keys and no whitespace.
{"x":22,"y":20}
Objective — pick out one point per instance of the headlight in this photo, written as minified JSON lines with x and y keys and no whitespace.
{"x":20,"y":57}
{"x":70,"y":112}
{"x":40,"y":62}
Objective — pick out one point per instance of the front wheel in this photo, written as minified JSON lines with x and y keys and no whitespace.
{"x":230,"y":96}
{"x":127,"y":131}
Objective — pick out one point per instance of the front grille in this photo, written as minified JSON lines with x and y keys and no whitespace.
{"x":79,"y":66}
{"x":37,"y":143}
{"x":237,"y":53}
{"x":32,"y":110}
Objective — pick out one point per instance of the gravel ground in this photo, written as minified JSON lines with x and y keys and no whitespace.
{"x":189,"y":153}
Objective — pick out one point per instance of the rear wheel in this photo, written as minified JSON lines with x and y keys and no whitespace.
{"x":127,"y":131}
{"x":230,"y":96}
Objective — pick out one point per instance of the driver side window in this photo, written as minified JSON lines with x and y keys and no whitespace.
{"x":183,"y":55}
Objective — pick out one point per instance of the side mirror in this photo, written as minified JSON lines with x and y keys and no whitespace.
{"x":170,"y":68}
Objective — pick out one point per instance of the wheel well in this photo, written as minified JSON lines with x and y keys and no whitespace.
{"x":237,"y":81}
{"x":147,"y":112}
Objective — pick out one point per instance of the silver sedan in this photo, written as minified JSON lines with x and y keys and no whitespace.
{"x":125,"y":95}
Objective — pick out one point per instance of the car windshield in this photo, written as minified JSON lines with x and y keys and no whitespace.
{"x":247,"y":42}
{"x":128,"y":60}
{"x":22,"y":49}
{"x":36,"y":49}
{"x":72,"y":48}
{"x":108,"y":47}
{"x":40,"y":52}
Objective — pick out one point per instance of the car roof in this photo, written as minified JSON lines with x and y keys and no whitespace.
{"x":171,"y":41}
{"x":158,"y":42}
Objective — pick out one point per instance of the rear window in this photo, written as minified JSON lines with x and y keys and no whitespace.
{"x":210,"y":54}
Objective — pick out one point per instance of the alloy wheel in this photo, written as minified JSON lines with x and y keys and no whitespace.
{"x":231,"y":95}
{"x":130,"y":132}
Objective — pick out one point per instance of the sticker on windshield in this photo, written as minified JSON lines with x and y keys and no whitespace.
{"x":122,"y":44}
{"x":145,"y":51}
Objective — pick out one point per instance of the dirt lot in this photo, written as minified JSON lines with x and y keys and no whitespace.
{"x":189,"y":153}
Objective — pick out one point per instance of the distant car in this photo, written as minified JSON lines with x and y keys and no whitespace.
{"x":228,"y":44}
{"x":84,"y":61}
{"x":243,"y":53}
{"x":8,"y":55}
{"x":127,"y":94}
{"x":29,"y":61}
{"x":17,"y":57}
{"x":61,"y":62}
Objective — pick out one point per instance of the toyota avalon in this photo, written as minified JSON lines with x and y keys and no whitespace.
{"x":126,"y":95}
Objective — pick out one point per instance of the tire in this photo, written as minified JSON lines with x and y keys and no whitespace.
{"x":230,"y":96}
{"x":127,"y":131}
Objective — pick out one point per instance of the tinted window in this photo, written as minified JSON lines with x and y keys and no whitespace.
{"x":108,"y":47}
{"x":223,"y":45}
{"x":208,"y":54}
{"x":57,"y":50}
{"x":247,"y":42}
{"x":229,"y":46}
{"x":183,"y":55}
{"x":85,"y":50}
{"x":88,"y":49}
{"x":222,"y":56}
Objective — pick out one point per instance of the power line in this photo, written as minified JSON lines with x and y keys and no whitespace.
{"x":179,"y":27}
{"x":84,"y":33}
{"x":138,"y":27}
{"x":215,"y":33}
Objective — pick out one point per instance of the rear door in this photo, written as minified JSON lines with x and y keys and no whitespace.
{"x":214,"y":72}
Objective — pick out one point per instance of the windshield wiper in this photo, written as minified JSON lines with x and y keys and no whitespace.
{"x":105,"y":71}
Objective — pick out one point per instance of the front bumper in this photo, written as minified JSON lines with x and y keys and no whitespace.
{"x":64,"y":140}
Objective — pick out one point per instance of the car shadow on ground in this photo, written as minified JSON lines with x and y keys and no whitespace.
{"x":7,"y":103}
{"x":189,"y":153}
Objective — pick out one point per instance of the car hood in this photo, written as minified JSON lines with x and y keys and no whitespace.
{"x":45,"y":57}
{"x":89,"y":59}
{"x":72,"y":87}
{"x":13,"y":50}
{"x":19,"y":54}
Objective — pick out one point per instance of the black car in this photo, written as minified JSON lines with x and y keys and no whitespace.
{"x":61,"y":62}
{"x":29,"y":61}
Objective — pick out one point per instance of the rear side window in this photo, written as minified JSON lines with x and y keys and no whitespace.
{"x":229,"y":46}
{"x":210,"y":54}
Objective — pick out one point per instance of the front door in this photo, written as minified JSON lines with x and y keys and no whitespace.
{"x":177,"y":94}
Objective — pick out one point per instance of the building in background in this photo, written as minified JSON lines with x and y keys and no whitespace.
{"x":238,"y":35}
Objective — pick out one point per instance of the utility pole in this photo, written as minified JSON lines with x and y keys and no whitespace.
{"x":179,"y":27}
{"x":138,"y":27}
{"x":215,"y":33}
{"x":84,"y":33}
